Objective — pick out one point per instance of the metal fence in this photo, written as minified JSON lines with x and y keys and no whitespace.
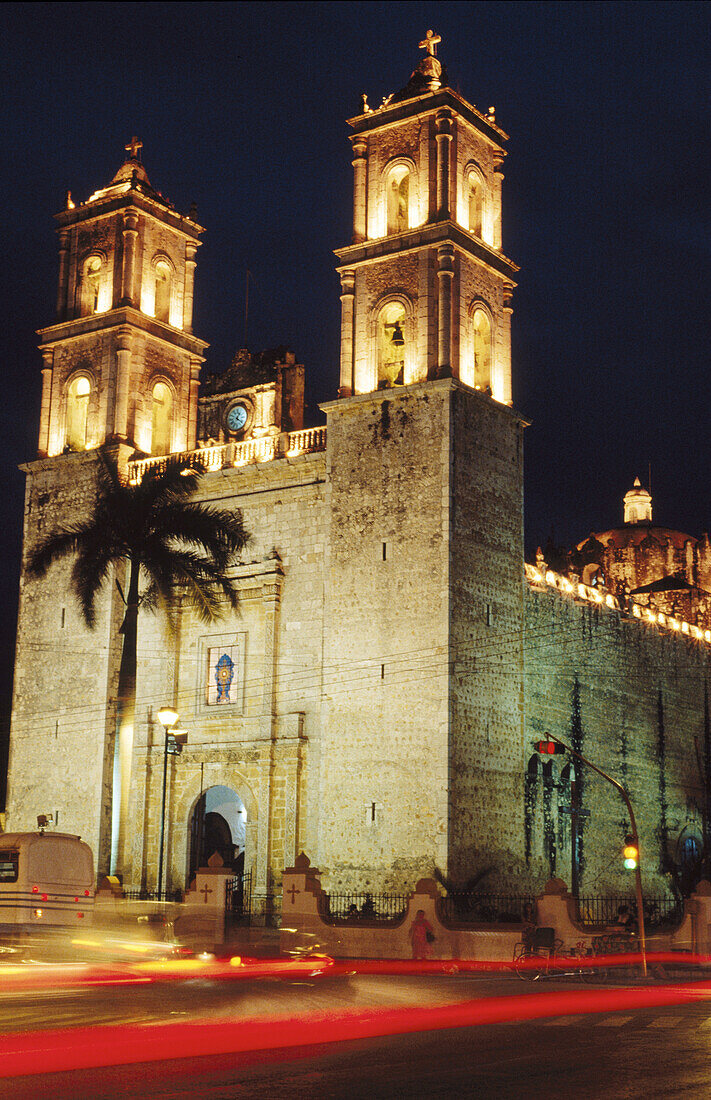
{"x":238,"y":898}
{"x":365,"y":907}
{"x":144,"y":894}
{"x":604,"y":911}
{"x":474,"y":908}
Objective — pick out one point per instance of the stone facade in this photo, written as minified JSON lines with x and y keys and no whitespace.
{"x":391,"y":663}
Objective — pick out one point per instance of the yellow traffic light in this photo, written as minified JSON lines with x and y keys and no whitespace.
{"x":630,"y":853}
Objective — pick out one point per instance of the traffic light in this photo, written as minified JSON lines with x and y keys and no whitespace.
{"x":549,"y":748}
{"x":630,"y":853}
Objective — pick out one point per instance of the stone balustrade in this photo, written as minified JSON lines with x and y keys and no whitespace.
{"x":539,"y":578}
{"x":220,"y":455}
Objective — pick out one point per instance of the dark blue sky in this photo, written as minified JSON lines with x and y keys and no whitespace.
{"x":242,"y":108}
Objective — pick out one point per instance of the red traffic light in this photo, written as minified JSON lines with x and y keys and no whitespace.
{"x":549,"y":748}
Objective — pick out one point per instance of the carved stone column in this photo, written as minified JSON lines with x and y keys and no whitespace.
{"x":123,"y":380}
{"x":360,"y":167}
{"x":191,"y":431}
{"x":271,"y":592}
{"x":347,"y":333}
{"x":498,"y":155}
{"x":445,"y":276}
{"x":506,"y":394}
{"x":443,"y":122}
{"x":48,"y":358}
{"x":63,"y":275}
{"x":190,"y":265}
{"x":130,"y":236}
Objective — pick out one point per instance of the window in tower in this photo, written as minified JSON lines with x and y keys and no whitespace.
{"x":475,"y":203}
{"x":91,"y":285}
{"x":391,"y":345}
{"x":163,"y":288}
{"x":162,"y":419}
{"x":77,"y":410}
{"x":398,"y":198}
{"x":481,"y":328}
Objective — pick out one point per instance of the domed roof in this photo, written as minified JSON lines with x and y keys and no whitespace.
{"x":429,"y":75}
{"x":126,"y":172}
{"x":634,"y":534}
{"x":638,"y":528}
{"x":132,"y":167}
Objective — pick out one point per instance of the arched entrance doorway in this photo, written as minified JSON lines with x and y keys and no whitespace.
{"x":218,"y":824}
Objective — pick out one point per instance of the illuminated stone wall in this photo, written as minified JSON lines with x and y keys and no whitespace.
{"x":425,"y":550}
{"x":634,"y":695}
{"x":61,"y":731}
{"x":384,"y":766}
{"x":265,"y":747}
{"x":486,"y":609}
{"x":385,"y":721}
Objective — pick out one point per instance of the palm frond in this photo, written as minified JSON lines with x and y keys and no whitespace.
{"x":53,"y":548}
{"x":204,"y":581}
{"x":176,"y":541}
{"x":89,"y":573}
{"x":219,"y":532}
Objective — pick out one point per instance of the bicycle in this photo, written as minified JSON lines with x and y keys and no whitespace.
{"x":539,"y":955}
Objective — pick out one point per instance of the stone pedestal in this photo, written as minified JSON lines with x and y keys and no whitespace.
{"x":202,"y":922}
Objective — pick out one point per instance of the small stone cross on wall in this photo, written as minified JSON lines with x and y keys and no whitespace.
{"x":205,"y":890}
{"x":293,"y":891}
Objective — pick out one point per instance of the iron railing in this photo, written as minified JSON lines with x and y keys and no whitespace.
{"x":605,"y":911}
{"x":238,"y":897}
{"x":475,"y":908}
{"x":144,"y":894}
{"x":365,"y":907}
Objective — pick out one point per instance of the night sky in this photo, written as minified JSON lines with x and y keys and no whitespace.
{"x":242,"y":108}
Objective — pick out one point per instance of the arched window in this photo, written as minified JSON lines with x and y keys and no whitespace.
{"x":391,"y":345}
{"x":475,"y":203}
{"x":91,"y":283}
{"x":481,"y":328}
{"x":163,"y":288}
{"x":162,"y":420}
{"x":398,"y":198}
{"x":77,"y":409}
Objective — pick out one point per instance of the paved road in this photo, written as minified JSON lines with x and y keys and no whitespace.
{"x":627,"y":1055}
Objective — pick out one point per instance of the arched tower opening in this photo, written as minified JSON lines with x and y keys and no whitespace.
{"x":161,"y":419}
{"x":78,"y":393}
{"x":391,"y":345}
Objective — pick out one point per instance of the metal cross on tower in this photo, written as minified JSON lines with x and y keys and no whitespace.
{"x":429,"y":43}
{"x":133,"y":146}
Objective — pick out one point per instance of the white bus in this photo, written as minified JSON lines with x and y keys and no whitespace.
{"x":46,"y":880}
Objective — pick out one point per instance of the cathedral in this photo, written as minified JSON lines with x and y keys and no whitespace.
{"x":376,"y":699}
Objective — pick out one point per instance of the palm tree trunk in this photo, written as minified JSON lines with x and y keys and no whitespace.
{"x":125,"y":715}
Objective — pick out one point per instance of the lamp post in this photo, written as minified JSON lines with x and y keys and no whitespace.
{"x":174,"y":740}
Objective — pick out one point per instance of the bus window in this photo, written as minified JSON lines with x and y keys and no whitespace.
{"x":9,"y":860}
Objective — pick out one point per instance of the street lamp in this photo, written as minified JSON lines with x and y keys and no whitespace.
{"x":174,"y":740}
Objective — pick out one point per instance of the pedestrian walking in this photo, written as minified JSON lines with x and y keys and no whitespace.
{"x":421,"y":936}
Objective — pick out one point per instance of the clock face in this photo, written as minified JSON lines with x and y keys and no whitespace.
{"x":237,"y":417}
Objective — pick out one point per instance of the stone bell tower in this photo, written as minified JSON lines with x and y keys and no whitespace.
{"x":425,"y":288}
{"x":121,"y":362}
{"x":120,"y":367}
{"x":421,"y":762}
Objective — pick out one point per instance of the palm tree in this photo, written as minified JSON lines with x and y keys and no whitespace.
{"x":167,"y":542}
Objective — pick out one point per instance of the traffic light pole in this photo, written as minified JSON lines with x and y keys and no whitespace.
{"x":635,"y":841}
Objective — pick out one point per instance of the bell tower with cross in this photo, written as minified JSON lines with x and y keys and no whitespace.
{"x":425,"y":574}
{"x":120,"y":361}
{"x":425,"y":287}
